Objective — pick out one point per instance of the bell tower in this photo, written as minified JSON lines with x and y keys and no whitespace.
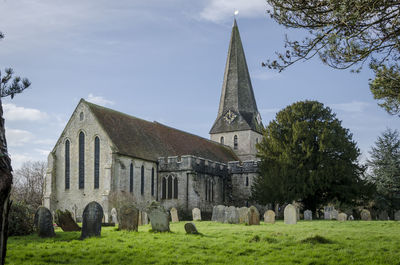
{"x":238,"y":123}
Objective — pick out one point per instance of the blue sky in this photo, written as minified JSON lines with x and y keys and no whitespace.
{"x":160,"y":60}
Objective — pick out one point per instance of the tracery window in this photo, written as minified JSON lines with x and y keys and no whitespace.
{"x":67,"y":165}
{"x":170,"y":187}
{"x":131,"y":178}
{"x":235,"y":142}
{"x":209,"y":189}
{"x":81,"y":160}
{"x":142,"y":180}
{"x":96,"y":162}
{"x":247,"y":181}
{"x":152,"y":181}
{"x":176,"y":188}
{"x":164,"y":188}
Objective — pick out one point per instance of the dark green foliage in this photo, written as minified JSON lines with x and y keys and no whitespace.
{"x":345,"y":34}
{"x":20,"y":220}
{"x":384,"y":170}
{"x":317,"y":240}
{"x":306,"y":155}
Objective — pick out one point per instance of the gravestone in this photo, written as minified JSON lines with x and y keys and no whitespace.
{"x":290,"y":215}
{"x":65,"y":221}
{"x":143,"y":218}
{"x":328,"y":212}
{"x":190,"y":228}
{"x":91,"y":220}
{"x":269,"y":217}
{"x":365,"y":215}
{"x":334,"y":214}
{"x":174,"y":215}
{"x":128,"y":218}
{"x":342,"y":217}
{"x":231,"y":215}
{"x":43,"y":222}
{"x":159,"y":218}
{"x":397,"y":215}
{"x":383,"y":215}
{"x":196,"y":214}
{"x":243,"y":215}
{"x":254,"y":216}
{"x":307,"y":215}
{"x":218,"y":213}
{"x":114,"y":216}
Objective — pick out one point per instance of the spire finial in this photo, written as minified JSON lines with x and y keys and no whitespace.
{"x":234,"y":17}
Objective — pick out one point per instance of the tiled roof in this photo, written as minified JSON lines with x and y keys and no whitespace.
{"x":150,"y":140}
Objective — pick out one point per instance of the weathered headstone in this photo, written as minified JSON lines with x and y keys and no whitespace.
{"x":290,"y":214}
{"x":350,"y":218}
{"x":334,"y":214}
{"x":143,"y":219}
{"x":231,"y":215}
{"x":365,"y":215}
{"x":397,"y":215}
{"x":342,"y":217}
{"x":218,"y":213}
{"x":44,"y":222}
{"x":190,"y":228}
{"x":254,"y":216}
{"x":269,"y":217}
{"x":65,"y":221}
{"x":196,"y":214}
{"x":91,"y":220}
{"x":328,"y":212}
{"x":128,"y":218}
{"x":383,"y":215}
{"x":159,"y":218}
{"x":243,"y":215}
{"x":307,"y":215}
{"x":174,"y":215}
{"x":114,"y":216}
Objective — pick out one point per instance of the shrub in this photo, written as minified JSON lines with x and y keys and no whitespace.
{"x":20,"y":220}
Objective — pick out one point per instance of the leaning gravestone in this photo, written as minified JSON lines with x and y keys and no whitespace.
{"x":190,"y":228}
{"x":159,"y":218}
{"x":365,"y":215}
{"x":114,"y":216}
{"x":174,"y":215}
{"x":196,"y":214}
{"x":269,"y":217}
{"x":254,"y":216}
{"x":91,"y":220}
{"x":218,"y":213}
{"x":307,"y":215}
{"x":65,"y":221}
{"x":342,"y":217}
{"x":128,"y":218}
{"x":243,"y":215}
{"x":290,"y":215}
{"x":44,"y":222}
{"x":334,"y":214}
{"x":397,"y":215}
{"x":231,"y":215}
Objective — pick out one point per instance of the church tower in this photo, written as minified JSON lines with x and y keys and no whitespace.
{"x":238,"y":122}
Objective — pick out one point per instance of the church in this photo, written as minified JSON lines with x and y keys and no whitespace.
{"x":102,"y":151}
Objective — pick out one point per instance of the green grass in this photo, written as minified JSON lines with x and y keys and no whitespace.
{"x":316,"y":242}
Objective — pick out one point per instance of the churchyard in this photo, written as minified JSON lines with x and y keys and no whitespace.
{"x":307,"y":242}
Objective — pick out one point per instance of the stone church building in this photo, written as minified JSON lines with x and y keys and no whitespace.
{"x":102,"y":151}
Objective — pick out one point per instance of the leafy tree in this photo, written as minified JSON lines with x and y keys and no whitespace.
{"x":345,"y":34}
{"x":384,"y":170}
{"x":9,"y":86}
{"x":307,"y":156}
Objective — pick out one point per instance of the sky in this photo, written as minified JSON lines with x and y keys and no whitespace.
{"x":159,"y":60}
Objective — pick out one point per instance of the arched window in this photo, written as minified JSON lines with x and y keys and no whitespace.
{"x":247,"y":181}
{"x":81,"y":160}
{"x":235,"y":142}
{"x":212,"y":191}
{"x":164,"y":188}
{"x":209,"y":189}
{"x":131,"y":178}
{"x":152,"y":181}
{"x":206,"y":189}
{"x":222,"y":140}
{"x":170,"y":187}
{"x":67,"y":165}
{"x":96,"y":162}
{"x":142,"y":181}
{"x":176,"y":188}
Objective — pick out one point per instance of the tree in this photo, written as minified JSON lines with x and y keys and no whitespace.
{"x":345,"y":34}
{"x":307,"y":156}
{"x":16,"y":86}
{"x":384,"y":170}
{"x":29,"y":183}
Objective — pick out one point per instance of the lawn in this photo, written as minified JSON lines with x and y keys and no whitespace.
{"x":315,"y":242}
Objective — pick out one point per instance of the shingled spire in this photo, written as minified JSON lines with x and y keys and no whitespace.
{"x":237,"y":107}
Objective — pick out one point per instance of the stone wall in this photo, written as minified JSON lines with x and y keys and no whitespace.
{"x":242,"y":178}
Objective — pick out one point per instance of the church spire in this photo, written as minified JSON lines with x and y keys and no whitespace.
{"x":237,"y":107}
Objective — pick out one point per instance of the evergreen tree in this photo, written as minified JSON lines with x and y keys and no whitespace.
{"x":16,"y":85}
{"x":384,"y":170}
{"x":345,"y":34}
{"x":307,"y":156}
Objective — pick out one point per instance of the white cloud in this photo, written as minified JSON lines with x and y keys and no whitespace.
{"x":14,"y":113}
{"x":45,"y":141}
{"x":43,"y":152}
{"x":222,"y":10}
{"x":99,"y":100}
{"x":354,"y":106}
{"x":18,"y":159}
{"x":16,"y":137}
